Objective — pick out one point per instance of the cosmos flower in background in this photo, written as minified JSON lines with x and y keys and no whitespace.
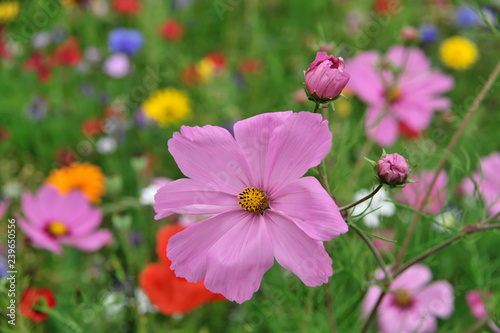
{"x":172,"y":30}
{"x":117,"y":65}
{"x":458,"y":53}
{"x":32,"y":297}
{"x":52,"y":219}
{"x":263,"y":209}
{"x":378,"y":207}
{"x":413,"y":303}
{"x":412,"y":99}
{"x":170,"y":294}
{"x":383,"y":246}
{"x":84,"y":177}
{"x":475,"y":301}
{"x":413,"y":193}
{"x":129,"y":41}
{"x":167,"y":106}
{"x":487,"y":179}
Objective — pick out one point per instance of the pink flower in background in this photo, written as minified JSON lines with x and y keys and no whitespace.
{"x":262,"y":208}
{"x":4,"y":204}
{"x":52,"y":219}
{"x":117,"y":65}
{"x":476,"y":306}
{"x":413,"y":303}
{"x":383,"y":246}
{"x":413,"y":99}
{"x":413,"y":193}
{"x":488,"y":182}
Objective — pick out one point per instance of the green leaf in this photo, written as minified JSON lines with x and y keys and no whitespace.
{"x":372,"y":235}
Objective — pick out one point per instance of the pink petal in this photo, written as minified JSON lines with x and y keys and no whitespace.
{"x":302,"y":142}
{"x":188,"y":249}
{"x":370,"y":300}
{"x":39,"y":237}
{"x":189,"y":196}
{"x":49,"y":200}
{"x":436,"y":299}
{"x":311,"y":208}
{"x":391,"y":319}
{"x":296,"y":251}
{"x":31,"y":210}
{"x":413,"y":59}
{"x":253,"y":136}
{"x":86,"y":223}
{"x":73,"y":207}
{"x":383,"y":129}
{"x":414,"y":115}
{"x":494,"y":327}
{"x":239,"y":259}
{"x":413,"y":278}
{"x":89,"y":243}
{"x":209,"y":154}
{"x":365,"y":81}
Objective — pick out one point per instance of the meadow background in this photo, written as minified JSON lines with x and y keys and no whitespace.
{"x":266,"y":46}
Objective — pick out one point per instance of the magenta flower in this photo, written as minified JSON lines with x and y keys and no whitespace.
{"x":414,"y":193}
{"x":262,"y":209}
{"x":393,"y":169}
{"x":326,"y":77}
{"x":412,"y":304}
{"x":4,"y":205}
{"x":412,"y":100}
{"x":476,"y":306}
{"x":117,"y":65}
{"x":488,"y":182}
{"x":53,"y":219}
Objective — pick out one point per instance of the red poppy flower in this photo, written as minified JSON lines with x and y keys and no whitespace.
{"x":127,"y":7}
{"x":172,"y":30}
{"x":171,"y":294}
{"x":67,"y":54}
{"x":218,"y":59}
{"x":250,"y":66}
{"x":386,"y":6}
{"x":38,"y":63}
{"x":408,"y":132}
{"x":32,"y":297}
{"x":65,"y":156}
{"x":93,"y":127}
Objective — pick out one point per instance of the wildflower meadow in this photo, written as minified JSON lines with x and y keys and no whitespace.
{"x":249,"y":166}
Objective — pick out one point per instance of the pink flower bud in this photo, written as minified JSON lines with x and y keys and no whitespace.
{"x":326,"y":77}
{"x":393,"y":169}
{"x":409,"y":33}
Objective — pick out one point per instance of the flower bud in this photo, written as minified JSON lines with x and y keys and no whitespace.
{"x":326,"y":77}
{"x":409,"y":34}
{"x":393,"y":169}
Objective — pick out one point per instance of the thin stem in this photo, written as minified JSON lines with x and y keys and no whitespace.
{"x":358,"y":166}
{"x":322,"y":179}
{"x":316,"y":108}
{"x":329,"y":307}
{"x":451,"y":145}
{"x":361,"y":200}
{"x":370,"y":318}
{"x":376,"y":254}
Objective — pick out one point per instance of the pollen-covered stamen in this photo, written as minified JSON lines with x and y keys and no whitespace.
{"x":402,"y":298}
{"x":253,"y":200}
{"x":57,"y":229}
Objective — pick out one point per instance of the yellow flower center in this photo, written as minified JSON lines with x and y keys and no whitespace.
{"x":253,"y":200}
{"x":393,"y":94}
{"x":402,"y":298}
{"x":57,"y":228}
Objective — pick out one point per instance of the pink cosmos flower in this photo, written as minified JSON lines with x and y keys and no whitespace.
{"x":262,"y":209}
{"x":476,"y":306}
{"x":413,"y":193}
{"x":413,"y":99}
{"x":488,"y":182}
{"x":413,"y":304}
{"x":53,"y":219}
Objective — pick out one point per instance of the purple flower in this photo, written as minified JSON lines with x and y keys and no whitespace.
{"x":326,"y":77}
{"x":117,"y":65}
{"x":466,"y":16}
{"x":412,"y":304}
{"x":488,"y":182}
{"x":393,"y":169}
{"x":429,"y":33}
{"x":125,"y":40}
{"x":38,"y":108}
{"x":52,"y":219}
{"x":262,"y":208}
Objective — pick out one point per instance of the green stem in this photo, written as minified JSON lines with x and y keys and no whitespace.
{"x":361,"y":200}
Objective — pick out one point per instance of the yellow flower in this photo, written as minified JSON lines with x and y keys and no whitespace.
{"x":458,"y":52}
{"x":205,"y":69}
{"x":8,"y":11}
{"x":85,"y":177}
{"x":167,"y":106}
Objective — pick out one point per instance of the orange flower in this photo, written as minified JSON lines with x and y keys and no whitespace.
{"x":85,"y":177}
{"x":171,"y":294}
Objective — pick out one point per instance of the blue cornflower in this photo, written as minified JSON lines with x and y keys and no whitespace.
{"x":125,"y":40}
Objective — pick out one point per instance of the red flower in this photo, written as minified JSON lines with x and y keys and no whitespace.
{"x":218,"y":59}
{"x":32,"y":297}
{"x":172,"y":30}
{"x":93,"y":127}
{"x":250,"y":66}
{"x":65,"y":156}
{"x":408,"y":132}
{"x":67,"y":54}
{"x":4,"y":50}
{"x":171,"y":294}
{"x":127,"y":7}
{"x":38,"y":63}
{"x":189,"y":76}
{"x":386,"y":6}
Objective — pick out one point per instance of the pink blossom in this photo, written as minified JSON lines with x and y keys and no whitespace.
{"x":326,"y":77}
{"x":4,"y":204}
{"x":413,"y":99}
{"x":383,"y":246}
{"x":262,"y":208}
{"x":414,"y":193}
{"x":476,"y":306}
{"x":52,"y":219}
{"x":117,"y":65}
{"x":488,"y":182}
{"x":413,"y":303}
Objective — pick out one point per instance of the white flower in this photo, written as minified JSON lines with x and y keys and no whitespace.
{"x":379,"y":205}
{"x":148,"y":193}
{"x":106,"y":145}
{"x":143,"y":303}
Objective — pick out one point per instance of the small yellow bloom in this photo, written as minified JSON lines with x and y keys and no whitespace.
{"x":458,"y":52}
{"x":8,"y":11}
{"x":85,"y":177}
{"x":205,"y":69}
{"x":167,"y":106}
